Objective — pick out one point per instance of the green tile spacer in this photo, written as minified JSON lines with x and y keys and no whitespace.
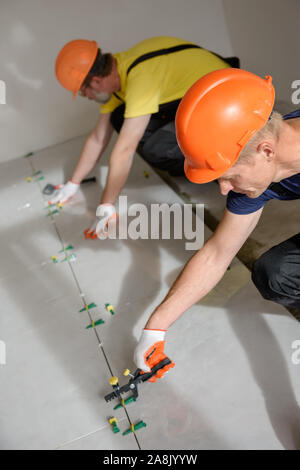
{"x":126,"y":402}
{"x":52,"y":212}
{"x":28,"y":154}
{"x":38,"y":172}
{"x":39,"y":179}
{"x":110,"y":308}
{"x":138,"y":426}
{"x":114,"y":424}
{"x":50,"y":206}
{"x":115,"y":429}
{"x":71,"y":257}
{"x":88,"y":307}
{"x":70,"y":247}
{"x":93,"y":324}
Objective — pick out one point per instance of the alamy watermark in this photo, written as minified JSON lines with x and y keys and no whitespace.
{"x":2,"y":353}
{"x":153,"y":221}
{"x":296,"y":94}
{"x":2,"y":92}
{"x":296,"y":353}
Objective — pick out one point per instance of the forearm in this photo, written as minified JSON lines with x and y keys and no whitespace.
{"x":90,"y":153}
{"x":119,"y":168}
{"x":200,"y":275}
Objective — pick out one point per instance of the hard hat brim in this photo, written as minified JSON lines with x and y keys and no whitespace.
{"x":203,"y":175}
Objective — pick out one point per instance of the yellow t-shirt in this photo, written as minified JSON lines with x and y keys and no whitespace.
{"x":160,"y":79}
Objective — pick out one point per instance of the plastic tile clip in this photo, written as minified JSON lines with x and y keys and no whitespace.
{"x":110,"y":308}
{"x":51,"y":206}
{"x":57,"y":208}
{"x":56,"y":211}
{"x":71,"y":257}
{"x":114,"y":423}
{"x":126,"y":402}
{"x":135,"y":379}
{"x":69,"y":247}
{"x":134,"y":428}
{"x":58,"y":258}
{"x":36,"y":176}
{"x":88,"y":307}
{"x":93,"y":324}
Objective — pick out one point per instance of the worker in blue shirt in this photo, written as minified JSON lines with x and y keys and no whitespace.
{"x":227,"y":132}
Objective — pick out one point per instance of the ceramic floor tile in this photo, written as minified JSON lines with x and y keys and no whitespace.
{"x":104,"y":439}
{"x":55,"y":378}
{"x":234,"y":385}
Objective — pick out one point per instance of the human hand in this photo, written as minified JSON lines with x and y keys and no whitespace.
{"x":104,"y":213}
{"x":64,"y":193}
{"x":150,"y":351}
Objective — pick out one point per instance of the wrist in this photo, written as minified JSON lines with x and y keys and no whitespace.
{"x":75,"y":182}
{"x":154,"y":329}
{"x":106,"y":202}
{"x":154,"y":336}
{"x":157,"y":322}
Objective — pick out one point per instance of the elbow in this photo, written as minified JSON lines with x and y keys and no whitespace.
{"x":123,"y":156}
{"x":127,"y":150}
{"x":94,"y":139}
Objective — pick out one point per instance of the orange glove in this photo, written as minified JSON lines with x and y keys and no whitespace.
{"x":150,"y":351}
{"x":104,"y":213}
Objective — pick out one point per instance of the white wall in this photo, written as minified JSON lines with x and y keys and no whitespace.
{"x":39,"y":112}
{"x":265,"y":34}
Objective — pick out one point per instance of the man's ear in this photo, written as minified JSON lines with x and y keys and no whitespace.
{"x":266,"y":148}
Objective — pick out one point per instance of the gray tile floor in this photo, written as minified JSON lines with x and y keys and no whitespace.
{"x":234,"y":385}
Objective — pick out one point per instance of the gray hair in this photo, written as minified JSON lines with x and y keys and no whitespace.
{"x":271,"y":129}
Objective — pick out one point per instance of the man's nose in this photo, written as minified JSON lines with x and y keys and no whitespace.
{"x":225,"y":187}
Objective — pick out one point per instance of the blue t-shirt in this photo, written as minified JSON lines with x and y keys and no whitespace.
{"x":286,"y":189}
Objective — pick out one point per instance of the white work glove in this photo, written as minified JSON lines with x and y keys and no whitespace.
{"x":104,"y":213}
{"x":64,"y":193}
{"x":150,"y":351}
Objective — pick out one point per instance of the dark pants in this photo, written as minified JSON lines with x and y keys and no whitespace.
{"x":158,"y":146}
{"x":276,"y":273}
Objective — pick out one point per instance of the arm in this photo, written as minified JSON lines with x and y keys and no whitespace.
{"x":122,"y":156}
{"x":205,"y":269}
{"x":93,"y":148}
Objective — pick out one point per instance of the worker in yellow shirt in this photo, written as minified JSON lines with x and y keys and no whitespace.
{"x":139,"y":91}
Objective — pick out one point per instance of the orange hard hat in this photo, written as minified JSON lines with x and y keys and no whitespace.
{"x":74,"y":62}
{"x":217,"y":117}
